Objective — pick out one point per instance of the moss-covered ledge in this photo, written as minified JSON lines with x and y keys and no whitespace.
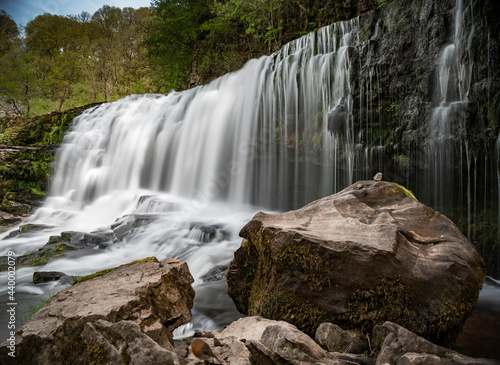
{"x":27,"y":148}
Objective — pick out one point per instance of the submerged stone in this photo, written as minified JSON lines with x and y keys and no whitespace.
{"x":59,"y":246}
{"x":27,"y":228}
{"x":46,"y":276}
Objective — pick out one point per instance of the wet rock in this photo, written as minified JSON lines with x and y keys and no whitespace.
{"x":152,"y":204}
{"x":48,"y":252}
{"x":68,"y":244}
{"x":46,"y":276}
{"x":122,"y":231}
{"x":8,"y":220}
{"x":80,"y":240}
{"x":127,"y":224}
{"x":358,"y":258}
{"x":215,"y":274}
{"x":100,"y":239}
{"x":204,"y":232}
{"x":156,"y":296}
{"x":27,"y":228}
{"x":335,"y":339}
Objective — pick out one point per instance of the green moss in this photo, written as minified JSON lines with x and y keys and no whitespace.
{"x":299,"y":261}
{"x":71,"y":347}
{"x":106,"y":271}
{"x":389,"y":300}
{"x":97,"y":354}
{"x":398,"y":190}
{"x":407,"y":192}
{"x":45,"y":254}
{"x":454,"y":310}
{"x":25,"y":172}
{"x":342,"y":342}
{"x":286,"y":307}
{"x":403,"y":162}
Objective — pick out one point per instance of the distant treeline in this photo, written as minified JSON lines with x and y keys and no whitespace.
{"x":58,"y":62}
{"x":67,"y":61}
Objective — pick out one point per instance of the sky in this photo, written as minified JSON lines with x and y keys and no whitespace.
{"x":22,"y":11}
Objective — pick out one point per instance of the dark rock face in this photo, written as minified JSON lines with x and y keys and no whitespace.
{"x":399,"y":52}
{"x":129,"y":313}
{"x":368,"y":254}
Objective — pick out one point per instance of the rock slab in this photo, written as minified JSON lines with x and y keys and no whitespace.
{"x":148,"y":298}
{"x":368,"y":254}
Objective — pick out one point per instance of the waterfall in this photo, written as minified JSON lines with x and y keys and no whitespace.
{"x":178,"y":175}
{"x":240,"y":139}
{"x":447,"y":125}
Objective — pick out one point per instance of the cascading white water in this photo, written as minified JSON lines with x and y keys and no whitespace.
{"x":447,"y":125}
{"x":208,"y":142}
{"x":178,"y":175}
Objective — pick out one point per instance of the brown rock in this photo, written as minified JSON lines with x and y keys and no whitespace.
{"x":358,"y":258}
{"x":124,"y":343}
{"x":335,"y":339}
{"x":156,"y":296}
{"x":256,"y":340}
{"x":402,"y":347}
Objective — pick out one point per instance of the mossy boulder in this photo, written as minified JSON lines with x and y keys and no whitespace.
{"x":368,"y":254}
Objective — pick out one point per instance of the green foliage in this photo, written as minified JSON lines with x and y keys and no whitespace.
{"x":9,"y":33}
{"x":75,"y":60}
{"x":33,"y":308}
{"x":384,"y":3}
{"x":402,"y":161}
{"x":69,"y":61}
{"x":191,"y":37}
{"x":177,"y":29}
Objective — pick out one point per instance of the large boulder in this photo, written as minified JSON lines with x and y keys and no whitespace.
{"x":146,"y":300}
{"x":368,"y":254}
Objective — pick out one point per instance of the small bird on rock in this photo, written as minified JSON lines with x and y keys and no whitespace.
{"x":378,"y":176}
{"x":202,"y":351}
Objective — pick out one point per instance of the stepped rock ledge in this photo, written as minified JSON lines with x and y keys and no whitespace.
{"x":368,"y":254}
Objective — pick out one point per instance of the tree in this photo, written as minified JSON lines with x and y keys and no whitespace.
{"x":176,"y":31}
{"x":17,"y":80}
{"x":52,"y":45}
{"x":9,"y":33}
{"x":134,"y":27}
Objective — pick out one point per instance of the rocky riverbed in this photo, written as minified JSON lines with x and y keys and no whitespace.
{"x":126,"y":315}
